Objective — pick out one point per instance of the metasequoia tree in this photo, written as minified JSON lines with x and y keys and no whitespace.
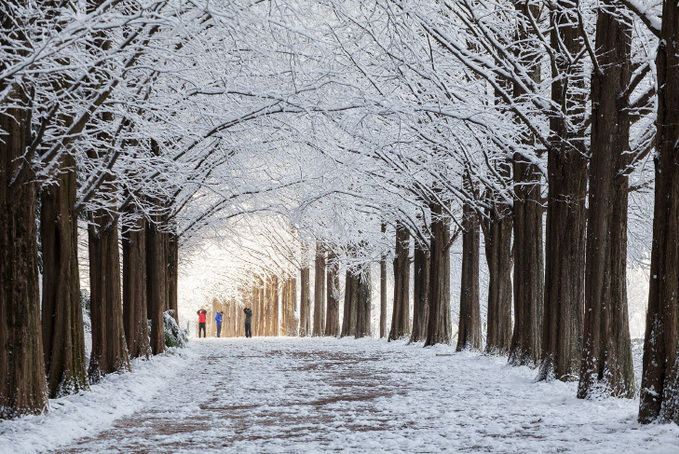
{"x":305,"y":298}
{"x":383,"y":292}
{"x":606,"y":351}
{"x":469,"y":330}
{"x":363,"y":290}
{"x":135,"y":300}
{"x":528,"y":250}
{"x":659,"y":394}
{"x":62,"y":319}
{"x":319,"y":291}
{"x":439,"y":327}
{"x":109,"y":347}
{"x":350,"y":304}
{"x":497,"y":234}
{"x":400,"y":315}
{"x":22,"y":368}
{"x":288,"y":306}
{"x":332,"y":326}
{"x":567,"y":190}
{"x":420,"y":291}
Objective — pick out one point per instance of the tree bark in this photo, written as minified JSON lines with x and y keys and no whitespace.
{"x":319,"y":292}
{"x":22,"y":363}
{"x":438,"y":327}
{"x":469,"y":331}
{"x":305,"y":303}
{"x":607,"y":351}
{"x":350,"y":303}
{"x":156,"y":278}
{"x":497,"y":228}
{"x":173,"y":274}
{"x":566,"y":216}
{"x":383,"y":292}
{"x":62,"y":319}
{"x":275,"y":318}
{"x":528,"y":249}
{"x":363,"y":287}
{"x":332,"y":327}
{"x":659,"y":397}
{"x":134,"y":287}
{"x":400,"y":315}
{"x":289,"y":298}
{"x":528,"y":265}
{"x":109,"y":348}
{"x":420,"y":290}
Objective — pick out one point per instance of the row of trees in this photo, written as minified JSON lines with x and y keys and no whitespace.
{"x":514,"y":111}
{"x":434,"y":118}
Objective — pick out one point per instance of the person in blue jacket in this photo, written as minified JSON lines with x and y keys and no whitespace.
{"x":218,"y":320}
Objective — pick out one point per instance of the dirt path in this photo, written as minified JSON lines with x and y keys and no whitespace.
{"x":329,"y":395}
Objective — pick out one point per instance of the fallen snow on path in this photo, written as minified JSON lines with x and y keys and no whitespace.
{"x":329,"y":395}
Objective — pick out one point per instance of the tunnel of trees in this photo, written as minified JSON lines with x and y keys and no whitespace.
{"x":330,"y":143}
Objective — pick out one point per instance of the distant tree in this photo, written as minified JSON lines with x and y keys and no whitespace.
{"x":332,"y":326}
{"x":363,"y":304}
{"x":350,"y":305}
{"x":319,"y":291}
{"x":400,"y":314}
{"x":135,"y":300}
{"x":469,"y":329}
{"x":439,"y":324}
{"x":497,"y":233}
{"x":383,"y":292}
{"x":420,"y":290}
{"x":305,"y":298}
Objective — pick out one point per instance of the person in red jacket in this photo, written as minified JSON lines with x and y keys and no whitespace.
{"x":202,"y":318}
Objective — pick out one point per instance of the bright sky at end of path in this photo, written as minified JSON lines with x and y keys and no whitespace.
{"x":283,"y":395}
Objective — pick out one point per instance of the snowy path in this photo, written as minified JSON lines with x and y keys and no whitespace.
{"x":320,"y":395}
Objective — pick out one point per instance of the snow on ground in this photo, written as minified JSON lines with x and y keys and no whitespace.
{"x":76,"y":416}
{"x":343,"y":395}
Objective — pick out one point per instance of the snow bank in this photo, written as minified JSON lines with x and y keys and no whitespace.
{"x":89,"y":412}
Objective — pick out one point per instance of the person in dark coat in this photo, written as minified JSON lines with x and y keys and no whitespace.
{"x":248,"y":322}
{"x":202,"y":319}
{"x":218,"y":320}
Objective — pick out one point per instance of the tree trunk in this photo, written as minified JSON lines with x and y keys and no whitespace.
{"x":332,"y":327}
{"x":469,"y":332}
{"x":156,"y":278}
{"x":319,"y":292}
{"x":400,"y":315}
{"x":420,"y":290}
{"x":134,"y":287}
{"x":438,"y":327}
{"x":659,"y":390}
{"x":22,"y":368}
{"x":275,"y":318}
{"x":383,"y":292}
{"x":350,"y":295}
{"x":528,"y":249}
{"x":109,"y":348}
{"x":566,"y":216}
{"x":363,"y":287}
{"x":607,"y":351}
{"x":289,"y":298}
{"x":305,"y":303}
{"x":62,"y":319}
{"x":498,"y":241}
{"x":173,"y":275}
{"x":528,"y":265}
